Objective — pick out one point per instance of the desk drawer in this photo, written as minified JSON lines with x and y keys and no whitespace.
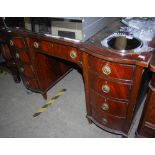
{"x":44,"y":46}
{"x":108,"y":88}
{"x":108,"y":120}
{"x":151,"y":117}
{"x":18,"y":42}
{"x":152,"y":99}
{"x":27,"y":71}
{"x":67,"y":53}
{"x":58,"y":50}
{"x":109,"y":69}
{"x":22,"y":55}
{"x":148,"y":131}
{"x":113,"y":107}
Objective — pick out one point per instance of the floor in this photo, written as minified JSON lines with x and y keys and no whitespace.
{"x":65,"y":118}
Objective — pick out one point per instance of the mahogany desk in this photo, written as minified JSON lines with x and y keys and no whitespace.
{"x":114,"y":85}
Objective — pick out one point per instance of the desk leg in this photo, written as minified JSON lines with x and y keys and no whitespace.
{"x":44,"y":96}
{"x":12,"y":70}
{"x":16,"y":78}
{"x":89,"y":121}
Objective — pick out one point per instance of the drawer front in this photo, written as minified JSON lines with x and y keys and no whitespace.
{"x":148,"y":131}
{"x":114,"y":70}
{"x":44,"y":46}
{"x":18,"y":42}
{"x":109,"y":88}
{"x":152,"y":99}
{"x":113,"y":107}
{"x":109,"y":121}
{"x":67,"y":53}
{"x":151,"y":117}
{"x":57,"y":50}
{"x":27,"y":71}
{"x":22,"y":55}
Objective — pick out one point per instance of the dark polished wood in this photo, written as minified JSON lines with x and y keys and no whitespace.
{"x":121,"y":90}
{"x":112,"y":81}
{"x":87,"y":84}
{"x":23,"y":56}
{"x":147,"y":123}
{"x":117,"y":90}
{"x":18,"y":42}
{"x":9,"y":63}
{"x":107,"y":105}
{"x":38,"y":72}
{"x":56,"y":50}
{"x":47,"y":69}
{"x":108,"y":120}
{"x":118,"y":70}
{"x":137,"y":83}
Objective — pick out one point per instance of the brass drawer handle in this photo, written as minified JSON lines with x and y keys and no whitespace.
{"x":27,"y":83}
{"x":73,"y":54}
{"x":106,"y":70}
{"x":51,"y":44}
{"x":11,"y":43}
{"x":17,"y":55}
{"x":104,"y":121}
{"x":22,"y":69}
{"x":105,"y":88}
{"x":105,"y":106}
{"x":36,"y":44}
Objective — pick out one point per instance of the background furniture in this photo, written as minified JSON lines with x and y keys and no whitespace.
{"x":147,"y":123}
{"x":8,"y":62}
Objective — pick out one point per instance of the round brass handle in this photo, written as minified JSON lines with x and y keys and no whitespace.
{"x":22,"y":69}
{"x":104,"y":121}
{"x":105,"y":88}
{"x":27,"y":83}
{"x":17,"y":55}
{"x":51,"y":44}
{"x":106,"y":70}
{"x":73,"y":54}
{"x":11,"y":43}
{"x":36,"y":44}
{"x":105,"y":106}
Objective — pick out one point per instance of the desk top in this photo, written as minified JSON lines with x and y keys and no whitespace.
{"x":92,"y":46}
